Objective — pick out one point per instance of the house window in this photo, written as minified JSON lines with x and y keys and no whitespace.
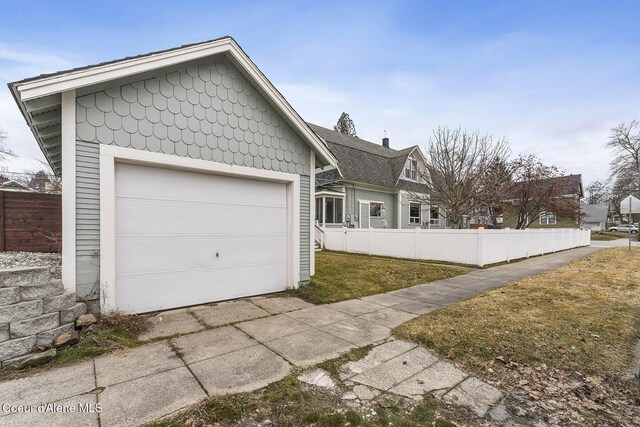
{"x":329,"y":210}
{"x":414,"y":213}
{"x":434,"y":213}
{"x":547,"y":218}
{"x":333,"y":210}
{"x":375,"y":210}
{"x":411,"y":169}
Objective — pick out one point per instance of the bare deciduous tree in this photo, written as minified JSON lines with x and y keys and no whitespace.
{"x":598,"y":192}
{"x":5,"y":151}
{"x":535,"y":191}
{"x":624,"y":141}
{"x":463,"y":171}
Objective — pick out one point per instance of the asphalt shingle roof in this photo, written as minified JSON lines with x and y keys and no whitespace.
{"x":364,"y":161}
{"x":595,"y":213}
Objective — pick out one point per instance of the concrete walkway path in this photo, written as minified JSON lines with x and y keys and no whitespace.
{"x":240,"y":346}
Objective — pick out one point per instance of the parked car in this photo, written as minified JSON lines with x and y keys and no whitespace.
{"x":625,"y":228}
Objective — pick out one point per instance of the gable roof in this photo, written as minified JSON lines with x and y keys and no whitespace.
{"x":568,"y":185}
{"x":595,"y":213}
{"x":366,"y":162}
{"x":40,"y":100}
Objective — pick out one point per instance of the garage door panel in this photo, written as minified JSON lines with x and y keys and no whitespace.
{"x":220,"y":218}
{"x":133,"y":180}
{"x":170,"y":253}
{"x":170,"y":224}
{"x":144,"y":294}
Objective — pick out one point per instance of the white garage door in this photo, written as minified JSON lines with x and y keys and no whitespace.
{"x":185,"y":238}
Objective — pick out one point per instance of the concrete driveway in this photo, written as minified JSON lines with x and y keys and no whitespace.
{"x":234,"y":347}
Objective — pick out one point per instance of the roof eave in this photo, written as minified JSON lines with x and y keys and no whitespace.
{"x":31,"y":89}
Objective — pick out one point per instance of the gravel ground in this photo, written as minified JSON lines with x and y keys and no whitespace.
{"x":33,"y":259}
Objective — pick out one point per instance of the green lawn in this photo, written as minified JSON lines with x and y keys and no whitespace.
{"x":340,"y":276}
{"x":608,"y":235}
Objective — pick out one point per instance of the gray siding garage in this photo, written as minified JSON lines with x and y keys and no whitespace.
{"x":205,"y":103}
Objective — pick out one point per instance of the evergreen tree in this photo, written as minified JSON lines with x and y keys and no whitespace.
{"x":345,"y":125}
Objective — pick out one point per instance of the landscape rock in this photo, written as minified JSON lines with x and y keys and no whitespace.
{"x":4,"y":332}
{"x":70,"y":314}
{"x":20,"y":311}
{"x":41,"y":291}
{"x":85,"y":320}
{"x":32,"y":326}
{"x":24,"y":276}
{"x":33,"y":259}
{"x":65,"y":339}
{"x":317,"y":377}
{"x":30,"y":360}
{"x":18,"y":347}
{"x":59,"y":302}
{"x":9,"y":295}
{"x":45,"y":338}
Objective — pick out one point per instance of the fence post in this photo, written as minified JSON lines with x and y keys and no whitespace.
{"x":526,"y":242}
{"x":370,"y":235}
{"x":480,"y":246}
{"x":344,"y":239}
{"x":508,"y":234}
{"x":541,"y":242}
{"x":416,"y":237}
{"x":2,"y":240}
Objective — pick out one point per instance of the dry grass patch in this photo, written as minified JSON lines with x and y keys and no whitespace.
{"x":112,"y":332}
{"x":584,"y":316}
{"x":609,"y":235}
{"x":340,"y":276}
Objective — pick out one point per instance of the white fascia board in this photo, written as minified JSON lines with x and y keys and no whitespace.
{"x":101,"y":73}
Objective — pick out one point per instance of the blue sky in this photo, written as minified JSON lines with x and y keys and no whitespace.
{"x":553,"y":77}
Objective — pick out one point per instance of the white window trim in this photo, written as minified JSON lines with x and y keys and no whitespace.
{"x":109,"y":155}
{"x":419,"y":213}
{"x":431,"y":219}
{"x":333,"y":195}
{"x":68,"y":124}
{"x":547,"y":216}
{"x":410,"y":159}
{"x":367,"y":202}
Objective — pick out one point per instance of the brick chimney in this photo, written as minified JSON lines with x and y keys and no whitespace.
{"x":385,"y":140}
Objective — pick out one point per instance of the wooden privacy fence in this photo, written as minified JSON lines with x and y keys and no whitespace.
{"x":30,"y":221}
{"x":474,"y":247}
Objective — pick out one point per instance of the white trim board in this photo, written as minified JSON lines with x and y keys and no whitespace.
{"x":109,"y":155}
{"x":89,"y":76}
{"x":69,"y":190}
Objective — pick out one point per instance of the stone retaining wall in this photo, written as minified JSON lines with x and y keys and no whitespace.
{"x":34,"y":309}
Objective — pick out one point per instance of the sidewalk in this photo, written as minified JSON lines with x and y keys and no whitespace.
{"x":236,"y":347}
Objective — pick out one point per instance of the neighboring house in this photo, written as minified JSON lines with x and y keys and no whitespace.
{"x":568,"y":191}
{"x":11,"y":185}
{"x":372,"y":186}
{"x":594,"y":217}
{"x":186,"y":177}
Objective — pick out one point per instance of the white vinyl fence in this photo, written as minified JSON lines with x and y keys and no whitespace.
{"x":475,"y":247}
